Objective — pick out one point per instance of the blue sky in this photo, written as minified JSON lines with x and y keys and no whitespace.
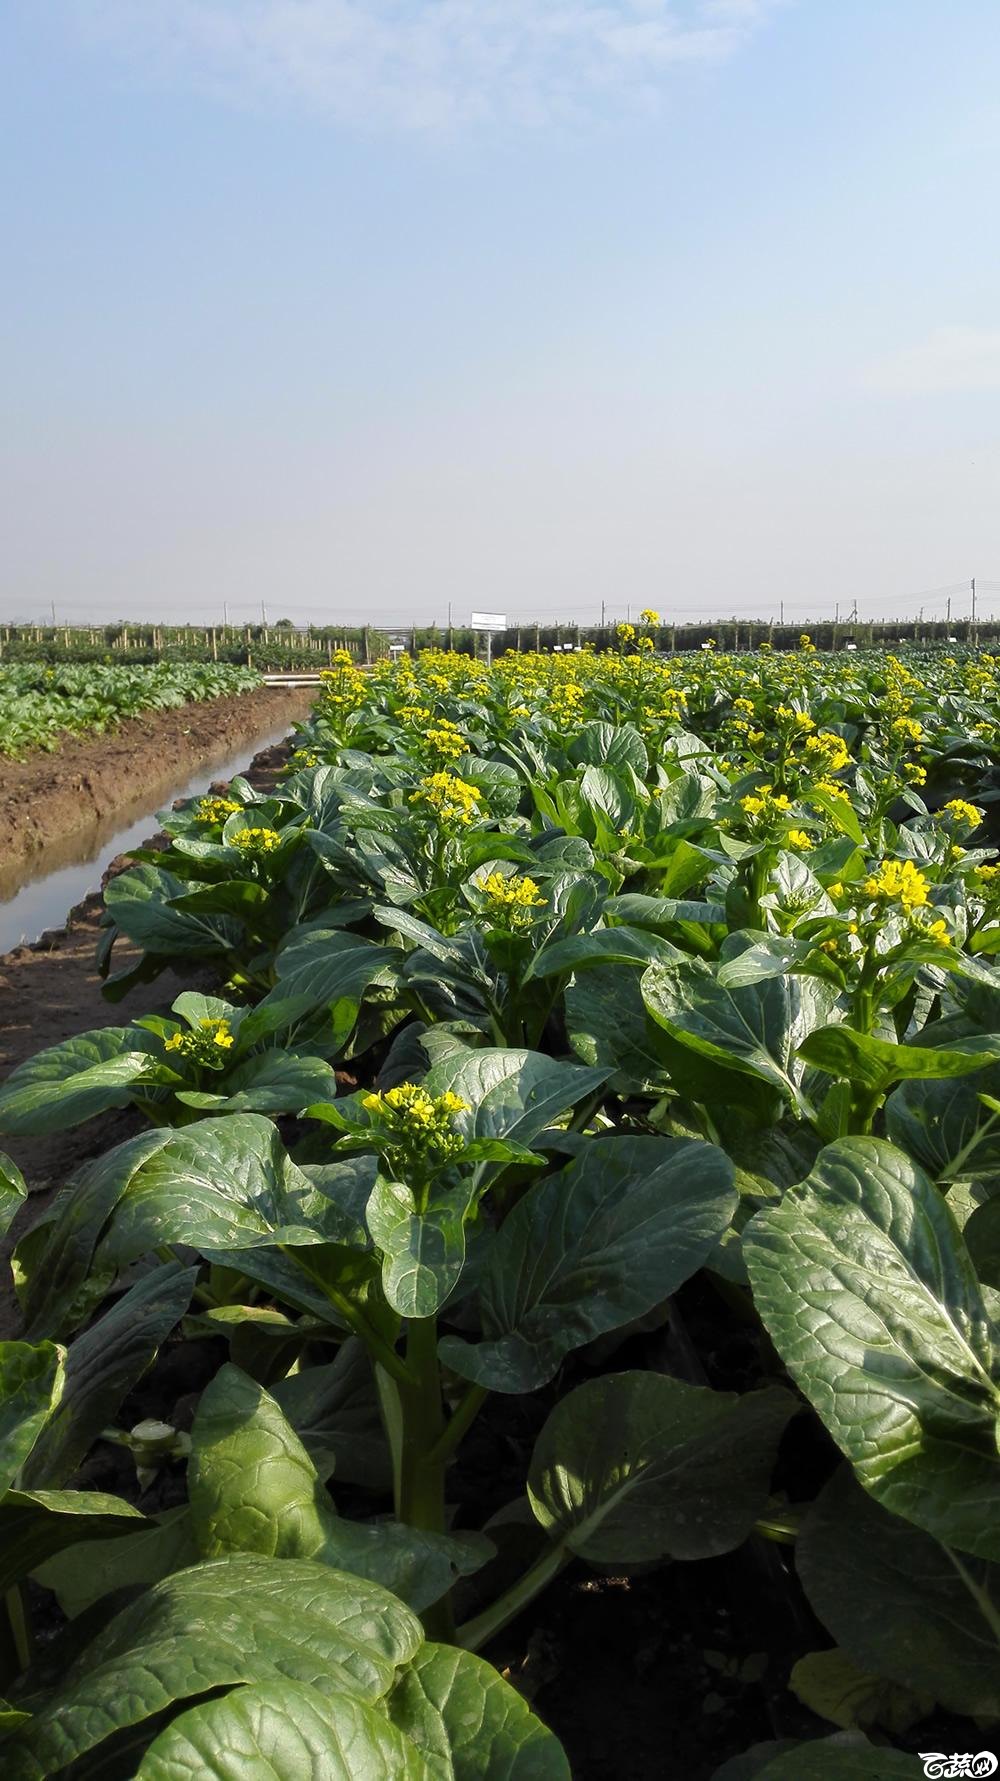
{"x":358,"y":307}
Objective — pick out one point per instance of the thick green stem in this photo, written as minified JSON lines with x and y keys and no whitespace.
{"x":20,"y":1625}
{"x":586,"y":1110}
{"x":476,"y":1633}
{"x":864,"y":1011}
{"x":377,"y":1346}
{"x":421,"y":1484}
{"x":864,"y":1107}
{"x":782,"y":1529}
{"x":460,"y":1421}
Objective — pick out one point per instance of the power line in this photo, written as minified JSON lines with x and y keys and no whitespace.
{"x":561,"y":611}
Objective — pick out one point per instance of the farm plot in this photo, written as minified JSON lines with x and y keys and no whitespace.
{"x":41,"y":705}
{"x":584,"y":1164}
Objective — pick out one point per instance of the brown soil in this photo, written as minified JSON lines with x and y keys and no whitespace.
{"x":48,"y":799}
{"x":51,"y":990}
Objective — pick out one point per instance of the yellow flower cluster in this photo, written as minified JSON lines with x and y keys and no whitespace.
{"x":565,"y":701}
{"x":445,"y":739}
{"x":204,"y":1044}
{"x":256,"y":841}
{"x":832,"y":788}
{"x":968,"y":815}
{"x":765,"y":804}
{"x":898,"y":881}
{"x":216,"y":810}
{"x":452,"y":800}
{"x":827,"y":752}
{"x":986,"y":880}
{"x":648,"y":616}
{"x":512,"y":900}
{"x":415,"y":1105}
{"x":418,"y":1130}
{"x":906,"y":730}
{"x":344,"y":687}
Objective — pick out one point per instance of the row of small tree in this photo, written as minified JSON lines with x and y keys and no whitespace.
{"x":282,"y":647}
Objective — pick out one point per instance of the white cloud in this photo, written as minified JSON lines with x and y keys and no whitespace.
{"x":432,"y":64}
{"x":949,"y":360}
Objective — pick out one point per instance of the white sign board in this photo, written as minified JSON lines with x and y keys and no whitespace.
{"x":489,"y":621}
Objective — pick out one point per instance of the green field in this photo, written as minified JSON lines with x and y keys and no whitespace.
{"x":664,"y":1000}
{"x":41,"y":705}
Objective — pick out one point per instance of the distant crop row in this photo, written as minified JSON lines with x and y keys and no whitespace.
{"x":282,"y":646}
{"x":40,"y":705}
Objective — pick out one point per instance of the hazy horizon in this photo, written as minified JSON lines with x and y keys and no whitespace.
{"x":360,"y":307}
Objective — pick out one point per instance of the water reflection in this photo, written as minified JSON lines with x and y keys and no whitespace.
{"x":40,"y":894}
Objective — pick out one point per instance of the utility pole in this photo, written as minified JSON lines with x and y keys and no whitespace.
{"x":948,"y":612}
{"x":225,"y":614}
{"x":602,"y":615}
{"x":263,"y":614}
{"x":53,"y":615}
{"x":782,"y":609}
{"x":836,"y":613}
{"x":973,"y":603}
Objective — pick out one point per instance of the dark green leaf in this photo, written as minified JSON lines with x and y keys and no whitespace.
{"x":846,"y":1756}
{"x":946,"y":1128}
{"x":754,"y":1029}
{"x":591,"y":1248}
{"x":867,"y":1291}
{"x":81,"y":1574}
{"x":469,"y":1723}
{"x":832,"y":1685}
{"x":253,"y":1488}
{"x":31,"y":1383}
{"x":335,"y":1413}
{"x":13,"y":1192}
{"x":236,"y":1619}
{"x":218,"y":1183}
{"x":638,"y":1466}
{"x":511,"y":1094}
{"x":902,"y":1605}
{"x":102,"y":1365}
{"x":282,"y":1731}
{"x":423,"y":1252}
{"x":876,"y":1063}
{"x":69,"y":1083}
{"x":34,"y":1524}
{"x":268,"y":1082}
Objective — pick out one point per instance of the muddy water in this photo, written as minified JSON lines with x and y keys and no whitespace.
{"x":63,"y":874}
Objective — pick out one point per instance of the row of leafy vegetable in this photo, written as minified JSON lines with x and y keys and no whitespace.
{"x":645,"y":969}
{"x":40,"y":705}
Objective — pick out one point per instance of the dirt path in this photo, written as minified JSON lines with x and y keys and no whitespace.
{"x":50,"y":991}
{"x":47,"y":799}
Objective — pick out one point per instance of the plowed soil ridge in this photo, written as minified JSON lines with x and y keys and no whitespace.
{"x":47,"y":798}
{"x":51,"y":991}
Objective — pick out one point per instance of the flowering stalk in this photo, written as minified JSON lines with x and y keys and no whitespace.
{"x":420,"y":1502}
